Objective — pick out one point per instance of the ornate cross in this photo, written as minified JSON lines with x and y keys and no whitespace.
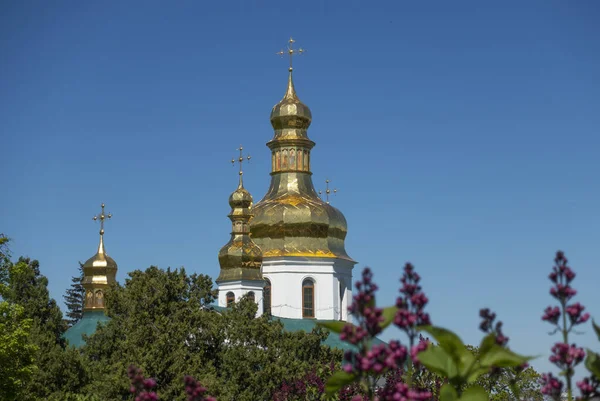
{"x":327,"y":191}
{"x":291,"y":51}
{"x":240,"y":160}
{"x":102,"y":217}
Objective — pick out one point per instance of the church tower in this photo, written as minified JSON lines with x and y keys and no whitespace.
{"x":306,"y":269}
{"x":240,"y":259}
{"x":99,"y":272}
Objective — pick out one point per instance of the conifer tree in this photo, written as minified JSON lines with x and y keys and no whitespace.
{"x":74,"y":298}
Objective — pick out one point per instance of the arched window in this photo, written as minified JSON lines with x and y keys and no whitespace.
{"x":267,"y":297}
{"x":308,"y":298}
{"x":230,"y":298}
{"x":251,"y":296}
{"x":99,"y":299}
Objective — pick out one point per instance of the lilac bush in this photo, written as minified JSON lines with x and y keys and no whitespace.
{"x":565,"y":317}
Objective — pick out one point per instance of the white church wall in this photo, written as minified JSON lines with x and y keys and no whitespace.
{"x":239,"y":288}
{"x":332,"y":286}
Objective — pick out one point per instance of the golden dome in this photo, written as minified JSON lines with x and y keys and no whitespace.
{"x":291,"y":219}
{"x":290,"y":112}
{"x":240,"y":258}
{"x":99,"y":272}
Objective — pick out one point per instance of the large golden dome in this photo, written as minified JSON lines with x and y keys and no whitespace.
{"x":291,"y":219}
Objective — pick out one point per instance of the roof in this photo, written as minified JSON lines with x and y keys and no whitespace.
{"x":333,"y":340}
{"x":87,"y":325}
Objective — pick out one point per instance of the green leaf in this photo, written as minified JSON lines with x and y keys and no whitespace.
{"x":448,"y":393}
{"x":596,"y":329}
{"x":592,"y":363}
{"x":449,"y":341}
{"x":438,"y":361}
{"x":334,"y":326}
{"x":338,"y":380}
{"x":475,"y":393}
{"x":388,"y":316}
{"x":476,"y":373}
{"x":487,"y":343}
{"x":502,"y":358}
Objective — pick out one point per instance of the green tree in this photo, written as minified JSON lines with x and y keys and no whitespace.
{"x":501,"y":384}
{"x":160,"y":322}
{"x":59,"y":369}
{"x":16,"y":352}
{"x":74,"y":298}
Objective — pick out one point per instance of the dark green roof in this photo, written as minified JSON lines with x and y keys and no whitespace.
{"x":87,"y":325}
{"x":333,"y":340}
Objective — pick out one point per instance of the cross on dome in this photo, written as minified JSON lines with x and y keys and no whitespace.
{"x":102,"y":216}
{"x":240,"y":160}
{"x":327,"y":191}
{"x":291,"y":51}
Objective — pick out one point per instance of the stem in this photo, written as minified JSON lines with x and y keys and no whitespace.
{"x":565,"y":332}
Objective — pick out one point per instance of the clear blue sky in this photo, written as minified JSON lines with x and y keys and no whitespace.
{"x":463,"y":137}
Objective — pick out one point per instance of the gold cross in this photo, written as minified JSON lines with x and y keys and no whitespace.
{"x":327,"y":191}
{"x":102,"y":217}
{"x":240,"y":160}
{"x":291,"y":51}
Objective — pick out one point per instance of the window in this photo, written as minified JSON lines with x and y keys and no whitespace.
{"x":230,"y":298}
{"x":267,"y":297}
{"x":251,"y":296}
{"x":308,"y":298}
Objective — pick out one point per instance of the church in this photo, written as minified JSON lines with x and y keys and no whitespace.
{"x":286,"y":252}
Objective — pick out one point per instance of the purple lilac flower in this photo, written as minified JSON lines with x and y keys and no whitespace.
{"x":410,"y":304}
{"x":141,"y":387}
{"x":551,"y":386}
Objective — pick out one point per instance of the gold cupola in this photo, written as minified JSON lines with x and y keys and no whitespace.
{"x":240,"y":258}
{"x":99,"y":271}
{"x":291,"y":219}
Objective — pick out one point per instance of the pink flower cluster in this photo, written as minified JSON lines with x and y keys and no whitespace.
{"x":194,"y":390}
{"x":566,"y":356}
{"x":364,"y":306}
{"x":411,"y":304}
{"x":551,"y":386}
{"x":401,"y":392}
{"x":379,"y":359}
{"x":141,"y":387}
{"x":589,"y":387}
{"x":487,"y":326}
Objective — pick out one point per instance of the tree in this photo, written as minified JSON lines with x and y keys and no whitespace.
{"x":160,"y":322}
{"x":17,"y":364}
{"x":74,"y":298}
{"x":500,"y":382}
{"x":59,"y":369}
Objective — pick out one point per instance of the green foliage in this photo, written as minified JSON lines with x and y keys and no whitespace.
{"x":58,"y":369}
{"x":451,"y":359}
{"x":17,"y":364}
{"x":74,"y":298}
{"x":160,"y":323}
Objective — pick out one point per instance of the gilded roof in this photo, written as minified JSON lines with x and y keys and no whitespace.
{"x":240,"y":258}
{"x":291,"y":219}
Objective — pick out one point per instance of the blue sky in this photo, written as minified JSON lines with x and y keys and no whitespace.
{"x":462,"y":136}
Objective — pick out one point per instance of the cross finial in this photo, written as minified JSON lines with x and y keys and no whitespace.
{"x":327,"y":191}
{"x":102,"y":216}
{"x":240,"y":160}
{"x":291,"y":51}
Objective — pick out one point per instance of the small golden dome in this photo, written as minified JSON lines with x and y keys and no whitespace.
{"x":290,"y":112}
{"x":240,"y":258}
{"x":240,"y":198}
